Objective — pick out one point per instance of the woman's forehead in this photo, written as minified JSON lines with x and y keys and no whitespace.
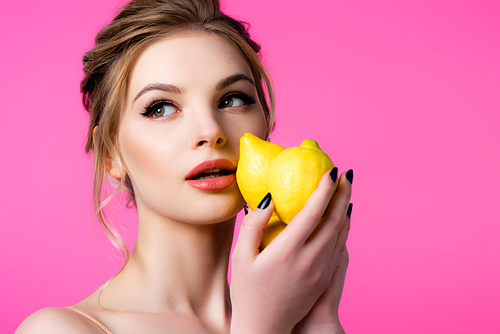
{"x":188,"y":60}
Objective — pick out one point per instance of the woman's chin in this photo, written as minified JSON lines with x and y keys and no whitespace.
{"x":209,"y":212}
{"x":218,"y":212}
{"x":219,"y":207}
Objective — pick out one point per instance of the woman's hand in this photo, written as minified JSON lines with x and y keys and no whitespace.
{"x":323,"y":317}
{"x":294,"y":278}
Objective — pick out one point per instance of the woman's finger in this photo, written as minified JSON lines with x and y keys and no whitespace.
{"x":327,"y":232}
{"x":338,"y":279}
{"x":250,"y":235}
{"x":304,"y":223}
{"x":340,"y":245}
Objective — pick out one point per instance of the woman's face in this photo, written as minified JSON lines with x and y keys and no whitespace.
{"x":190,"y":99}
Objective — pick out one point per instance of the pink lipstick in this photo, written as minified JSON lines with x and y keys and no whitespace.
{"x":212,"y":175}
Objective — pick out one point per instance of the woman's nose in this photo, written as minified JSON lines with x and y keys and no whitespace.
{"x":208,"y":131}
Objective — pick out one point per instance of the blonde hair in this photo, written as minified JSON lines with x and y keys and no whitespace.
{"x":107,"y":68}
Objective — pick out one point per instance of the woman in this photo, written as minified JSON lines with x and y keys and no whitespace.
{"x":171,"y":86}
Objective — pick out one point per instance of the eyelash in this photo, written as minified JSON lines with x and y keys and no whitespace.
{"x":247,"y":99}
{"x":154,"y":104}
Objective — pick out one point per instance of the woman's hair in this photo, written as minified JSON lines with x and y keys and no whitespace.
{"x":107,"y":69}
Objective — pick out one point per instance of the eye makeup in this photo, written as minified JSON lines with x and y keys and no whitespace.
{"x":247,"y":99}
{"x":155,"y":108}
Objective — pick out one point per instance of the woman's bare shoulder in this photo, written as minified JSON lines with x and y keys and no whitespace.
{"x":57,"y":320}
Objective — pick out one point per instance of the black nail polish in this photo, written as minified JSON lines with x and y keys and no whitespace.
{"x":265,"y":202}
{"x":333,"y":174}
{"x":246,"y":209}
{"x":349,"y":210}
{"x":349,"y":175}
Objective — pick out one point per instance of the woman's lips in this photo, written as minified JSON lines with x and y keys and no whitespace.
{"x":216,"y":183}
{"x":224,"y":179}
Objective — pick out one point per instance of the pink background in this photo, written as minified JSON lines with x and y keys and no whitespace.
{"x":407,"y":93}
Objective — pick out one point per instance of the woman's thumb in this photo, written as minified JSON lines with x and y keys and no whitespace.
{"x":251,"y":228}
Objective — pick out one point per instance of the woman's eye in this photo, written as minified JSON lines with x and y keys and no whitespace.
{"x":233,"y":102}
{"x":160,"y":110}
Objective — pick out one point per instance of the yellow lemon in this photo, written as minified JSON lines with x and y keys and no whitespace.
{"x":256,"y":156}
{"x":271,"y":231}
{"x":290,"y":175}
{"x":294,"y":175}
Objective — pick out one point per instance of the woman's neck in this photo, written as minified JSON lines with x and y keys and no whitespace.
{"x":175,"y":266}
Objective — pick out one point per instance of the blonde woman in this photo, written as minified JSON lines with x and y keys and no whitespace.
{"x":171,"y":86}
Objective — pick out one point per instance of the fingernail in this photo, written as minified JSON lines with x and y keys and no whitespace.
{"x":265,"y":202}
{"x":349,"y":175}
{"x":333,"y":174}
{"x":349,"y":210}
{"x":246,"y":209}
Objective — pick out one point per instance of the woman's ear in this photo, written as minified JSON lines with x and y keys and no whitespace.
{"x":111,"y":165}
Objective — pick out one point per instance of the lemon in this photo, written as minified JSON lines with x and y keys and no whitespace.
{"x":271,"y":231}
{"x":291,"y":175}
{"x":256,"y":156}
{"x":294,"y":175}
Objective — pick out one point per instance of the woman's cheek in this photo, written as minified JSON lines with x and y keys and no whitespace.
{"x":152,"y":164}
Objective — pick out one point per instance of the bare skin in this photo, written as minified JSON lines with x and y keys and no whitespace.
{"x":175,"y":281}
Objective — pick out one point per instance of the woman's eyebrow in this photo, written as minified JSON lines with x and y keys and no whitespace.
{"x":158,"y":86}
{"x":176,"y":90}
{"x":232,"y":79}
